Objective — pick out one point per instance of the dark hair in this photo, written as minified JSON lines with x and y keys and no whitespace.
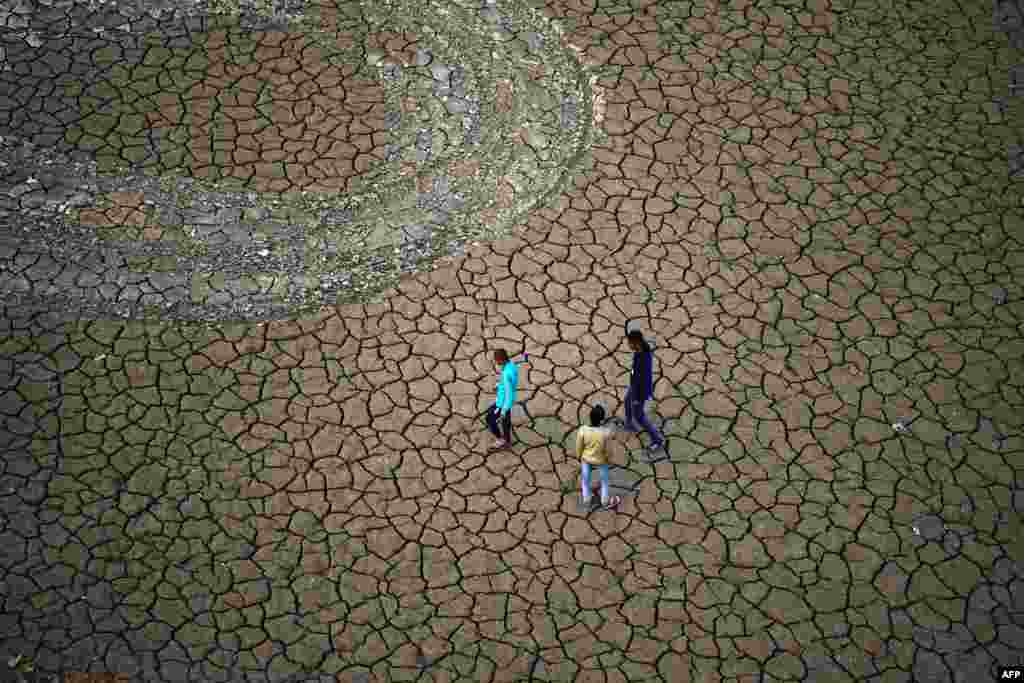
{"x":501,"y":354}
{"x":596,"y":416}
{"x":638,"y":337}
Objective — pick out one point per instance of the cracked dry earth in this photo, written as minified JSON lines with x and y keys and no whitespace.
{"x":813,"y":210}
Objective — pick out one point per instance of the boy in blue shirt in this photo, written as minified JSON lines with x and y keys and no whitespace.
{"x":641,"y":386}
{"x":509,"y":375}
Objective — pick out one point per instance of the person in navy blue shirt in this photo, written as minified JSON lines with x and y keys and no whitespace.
{"x":641,"y":386}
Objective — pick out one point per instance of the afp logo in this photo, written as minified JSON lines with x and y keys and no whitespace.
{"x":1011,"y":673}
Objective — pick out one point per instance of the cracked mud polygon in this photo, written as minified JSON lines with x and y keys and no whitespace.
{"x":254,"y":259}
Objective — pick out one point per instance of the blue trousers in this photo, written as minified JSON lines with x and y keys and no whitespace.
{"x":585,"y":480}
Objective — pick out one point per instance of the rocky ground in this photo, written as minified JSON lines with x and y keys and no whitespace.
{"x":245,"y":174}
{"x":256,"y":256}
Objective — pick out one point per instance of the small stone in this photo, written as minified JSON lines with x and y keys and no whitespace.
{"x":568,"y":111}
{"x":19,"y":190}
{"x":900,"y":616}
{"x":336,"y":216}
{"x":441,"y":73}
{"x":922,"y":636}
{"x":458,"y":79}
{"x":1015,"y":157}
{"x":951,"y":543}
{"x":423,"y":57}
{"x":1016,"y":77}
{"x":471,"y":125}
{"x":999,"y":296}
{"x":264,"y":252}
{"x":952,"y":440}
{"x":930,"y":527}
{"x":536,"y":139}
{"x":456,"y":105}
{"x":505,"y":24}
{"x":423,"y":144}
{"x":255,"y":213}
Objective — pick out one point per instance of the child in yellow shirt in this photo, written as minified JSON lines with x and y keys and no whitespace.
{"x":592,"y":449}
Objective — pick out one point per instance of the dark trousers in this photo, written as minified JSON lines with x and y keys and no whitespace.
{"x":506,"y":424}
{"x":635,"y":413}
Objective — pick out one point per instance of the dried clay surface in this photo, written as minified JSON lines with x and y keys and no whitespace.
{"x":254,"y":260}
{"x":222,"y":165}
